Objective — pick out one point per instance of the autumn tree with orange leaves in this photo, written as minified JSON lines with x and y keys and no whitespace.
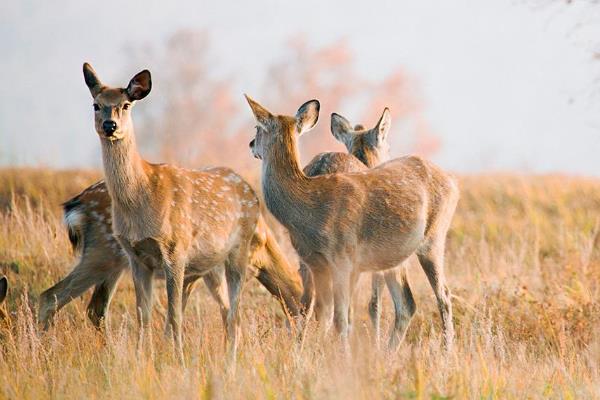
{"x":200,"y":120}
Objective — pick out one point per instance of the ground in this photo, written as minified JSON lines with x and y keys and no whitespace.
{"x":523,"y":263}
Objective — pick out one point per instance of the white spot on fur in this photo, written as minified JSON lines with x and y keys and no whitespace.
{"x":233,"y":178}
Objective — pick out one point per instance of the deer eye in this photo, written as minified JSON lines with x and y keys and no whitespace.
{"x":96,"y":107}
{"x":126,"y":106}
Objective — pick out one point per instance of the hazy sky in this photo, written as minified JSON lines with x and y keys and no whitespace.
{"x":506,"y":85}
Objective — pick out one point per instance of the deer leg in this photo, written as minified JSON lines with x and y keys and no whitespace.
{"x":404,"y":304}
{"x":342,"y":284}
{"x":235,"y":276}
{"x":308,"y":285}
{"x":431,"y":258}
{"x":353,"y":283}
{"x":214,"y":283}
{"x":86,"y":273}
{"x":323,"y":300}
{"x":189,"y":284}
{"x":377,"y":282}
{"x":143,"y":282}
{"x":174,"y":276}
{"x":97,"y":308}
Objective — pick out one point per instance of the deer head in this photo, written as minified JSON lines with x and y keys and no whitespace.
{"x":112,"y":106}
{"x":270,"y":127}
{"x":370,"y":146}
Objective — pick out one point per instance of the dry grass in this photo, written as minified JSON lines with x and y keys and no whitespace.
{"x":522,"y":261}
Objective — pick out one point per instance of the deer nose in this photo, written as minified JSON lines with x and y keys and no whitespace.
{"x":109,"y":127}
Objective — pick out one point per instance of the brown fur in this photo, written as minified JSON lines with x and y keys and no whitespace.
{"x":346,"y":223}
{"x":89,"y":221}
{"x":182,"y":222}
{"x":367,"y":148}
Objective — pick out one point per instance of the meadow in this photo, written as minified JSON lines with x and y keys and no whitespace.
{"x":522,"y":260}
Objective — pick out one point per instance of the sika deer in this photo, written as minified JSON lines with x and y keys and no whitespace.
{"x":164,"y":217}
{"x":89,"y":221}
{"x":371,"y":148}
{"x":345,"y":223}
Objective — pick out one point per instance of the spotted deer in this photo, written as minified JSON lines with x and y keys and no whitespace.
{"x":370,"y":147}
{"x":180,"y":221}
{"x":342,"y":224}
{"x":4,"y":316}
{"x":102,"y":261}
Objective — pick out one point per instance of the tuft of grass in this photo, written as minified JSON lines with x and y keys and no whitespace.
{"x":523,"y":263}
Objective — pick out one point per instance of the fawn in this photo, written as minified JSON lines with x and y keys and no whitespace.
{"x":345,"y":223}
{"x":102,"y":261}
{"x":180,"y":221}
{"x":371,"y":148}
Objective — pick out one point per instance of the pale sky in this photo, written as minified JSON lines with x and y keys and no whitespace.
{"x":505,"y":85}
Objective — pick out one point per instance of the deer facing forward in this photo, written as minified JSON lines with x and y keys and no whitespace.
{"x":346,"y":223}
{"x":167,"y":218}
{"x":102,"y":261}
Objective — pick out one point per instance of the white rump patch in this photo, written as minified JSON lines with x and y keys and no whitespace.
{"x":73,"y":218}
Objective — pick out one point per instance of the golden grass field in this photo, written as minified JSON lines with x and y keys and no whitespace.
{"x":523,"y":262}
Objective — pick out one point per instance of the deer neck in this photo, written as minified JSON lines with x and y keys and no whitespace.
{"x":370,"y":157}
{"x":286,"y":189}
{"x":125,"y":174}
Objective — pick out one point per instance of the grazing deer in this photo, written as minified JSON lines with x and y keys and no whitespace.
{"x":370,"y":147}
{"x":89,"y":222}
{"x":4,"y":317}
{"x":168,"y":218}
{"x":345,"y":223}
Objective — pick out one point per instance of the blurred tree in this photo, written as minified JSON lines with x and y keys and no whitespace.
{"x":200,"y":120}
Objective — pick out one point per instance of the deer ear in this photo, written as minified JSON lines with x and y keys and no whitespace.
{"x":261,"y":114}
{"x":140,"y":85}
{"x":342,"y":130}
{"x":91,"y":80}
{"x":3,"y":288}
{"x":384,"y":124}
{"x":307,"y":116}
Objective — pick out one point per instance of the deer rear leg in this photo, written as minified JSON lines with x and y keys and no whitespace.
{"x":189,"y":284}
{"x":215,"y":284}
{"x":343,"y":282}
{"x":323,"y":297}
{"x":431,"y":258}
{"x":97,"y":308}
{"x":308,"y":285}
{"x":85,"y":274}
{"x":377,"y":283}
{"x":404,"y":304}
{"x":235,"y":273}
